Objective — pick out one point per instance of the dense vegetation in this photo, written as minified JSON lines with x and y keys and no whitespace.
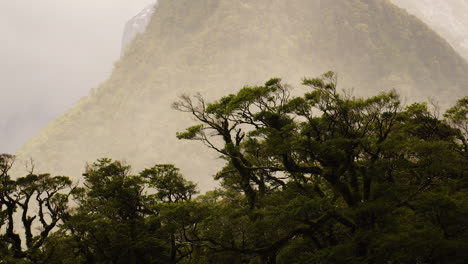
{"x":325,"y":177}
{"x":214,"y":46}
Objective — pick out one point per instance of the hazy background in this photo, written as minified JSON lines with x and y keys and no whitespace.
{"x":51,"y":53}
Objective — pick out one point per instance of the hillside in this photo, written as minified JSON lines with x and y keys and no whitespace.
{"x":448,"y":18}
{"x":217,"y":46}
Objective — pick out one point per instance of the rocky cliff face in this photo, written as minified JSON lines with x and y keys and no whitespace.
{"x":217,"y":46}
{"x":137,"y":25}
{"x":448,"y":17}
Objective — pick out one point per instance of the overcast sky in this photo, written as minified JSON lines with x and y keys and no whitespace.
{"x":51,"y":53}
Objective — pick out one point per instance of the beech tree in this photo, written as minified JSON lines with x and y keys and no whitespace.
{"x":325,"y":177}
{"x":27,"y":204}
{"x":125,"y":218}
{"x":341,"y":178}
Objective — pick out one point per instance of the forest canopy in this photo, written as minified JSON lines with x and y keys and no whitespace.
{"x":325,"y":177}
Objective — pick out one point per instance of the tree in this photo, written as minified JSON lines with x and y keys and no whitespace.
{"x":348,"y":177}
{"x":28,"y":203}
{"x":124,"y":218}
{"x":457,"y":116}
{"x":325,"y":177}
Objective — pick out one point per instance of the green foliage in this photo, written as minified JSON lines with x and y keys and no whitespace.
{"x":331,"y":178}
{"x":169,"y":184}
{"x":30,"y":203}
{"x":458,"y":115}
{"x":190,"y":133}
{"x":325,"y":177}
{"x":124,"y":218}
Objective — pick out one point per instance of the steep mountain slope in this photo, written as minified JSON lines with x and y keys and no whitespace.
{"x":136,"y":25}
{"x":215,"y":47}
{"x":449,"y":18}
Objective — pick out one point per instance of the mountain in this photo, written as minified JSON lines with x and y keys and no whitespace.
{"x":448,"y":18}
{"x":215,"y":47}
{"x":136,"y":25}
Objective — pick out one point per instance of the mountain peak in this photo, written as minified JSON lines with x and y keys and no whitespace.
{"x":137,"y":25}
{"x":217,"y":46}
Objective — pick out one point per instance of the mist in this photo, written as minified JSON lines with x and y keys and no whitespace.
{"x":52,"y":53}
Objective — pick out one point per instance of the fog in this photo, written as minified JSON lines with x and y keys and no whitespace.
{"x":52,"y":52}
